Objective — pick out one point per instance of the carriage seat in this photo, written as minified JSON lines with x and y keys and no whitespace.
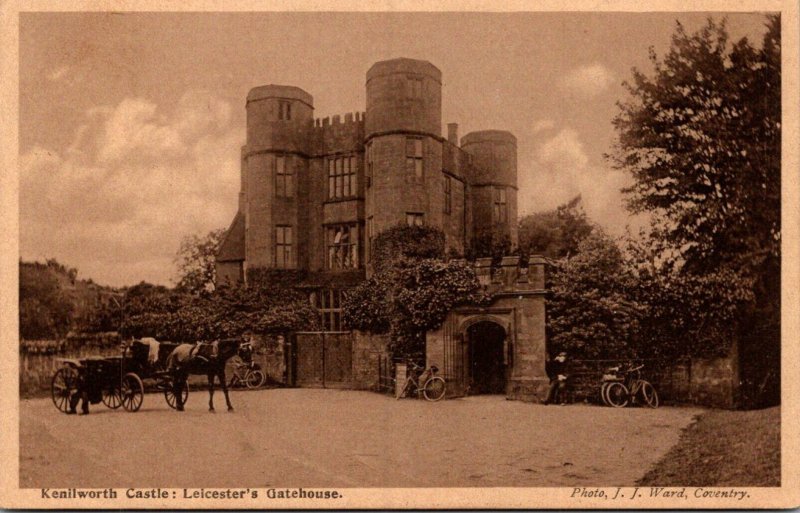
{"x":145,"y":350}
{"x":138,"y":351}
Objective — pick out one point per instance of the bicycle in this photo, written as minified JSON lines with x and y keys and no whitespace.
{"x":611,"y":376}
{"x":433,"y":386}
{"x":247,"y":374}
{"x":619,"y":391}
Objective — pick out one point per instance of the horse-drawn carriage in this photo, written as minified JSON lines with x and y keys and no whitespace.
{"x":117,"y":380}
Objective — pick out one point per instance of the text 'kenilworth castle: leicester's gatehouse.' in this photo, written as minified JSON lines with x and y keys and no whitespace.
{"x":314,"y":193}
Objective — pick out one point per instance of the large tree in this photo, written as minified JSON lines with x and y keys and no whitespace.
{"x":554,"y":233}
{"x":590,"y":312}
{"x":196,"y":261}
{"x":701,"y":138}
{"x":45,"y":310}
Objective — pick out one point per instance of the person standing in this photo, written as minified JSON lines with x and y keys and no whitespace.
{"x":557,"y":371}
{"x":80,"y":395}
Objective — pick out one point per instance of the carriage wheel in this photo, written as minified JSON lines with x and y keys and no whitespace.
{"x":132,"y":392}
{"x":63,"y":386}
{"x":169,"y":395}
{"x":112,"y":397}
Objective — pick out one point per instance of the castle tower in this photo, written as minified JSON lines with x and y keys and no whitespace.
{"x":403,"y":145}
{"x":493,"y":181}
{"x":275,"y":161}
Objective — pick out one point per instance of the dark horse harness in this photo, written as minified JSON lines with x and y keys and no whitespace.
{"x":205,"y":351}
{"x":207,"y":358}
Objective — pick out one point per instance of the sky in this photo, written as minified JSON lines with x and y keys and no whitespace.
{"x":131,"y":123}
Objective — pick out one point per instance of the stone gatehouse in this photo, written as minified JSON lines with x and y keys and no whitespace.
{"x":499,"y":348}
{"x":315,"y":192}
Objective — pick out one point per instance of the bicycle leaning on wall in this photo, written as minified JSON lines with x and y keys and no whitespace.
{"x":423,"y":382}
{"x":247,"y":374}
{"x":622,"y":386}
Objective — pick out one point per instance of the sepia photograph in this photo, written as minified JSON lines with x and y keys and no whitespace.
{"x":401,"y":258}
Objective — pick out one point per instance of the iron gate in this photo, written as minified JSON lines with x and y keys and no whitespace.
{"x":322,"y":359}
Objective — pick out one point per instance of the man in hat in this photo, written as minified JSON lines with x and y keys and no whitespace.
{"x":557,"y":371}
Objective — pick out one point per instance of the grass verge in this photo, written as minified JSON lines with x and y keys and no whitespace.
{"x":724,"y":448}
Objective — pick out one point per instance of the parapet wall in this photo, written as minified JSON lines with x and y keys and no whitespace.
{"x":511,"y":275}
{"x":338,"y":134}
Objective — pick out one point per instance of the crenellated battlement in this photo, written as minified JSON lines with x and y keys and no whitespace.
{"x":338,"y":133}
{"x":350,"y":118}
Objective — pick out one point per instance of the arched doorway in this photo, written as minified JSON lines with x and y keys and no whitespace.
{"x":487,"y":364}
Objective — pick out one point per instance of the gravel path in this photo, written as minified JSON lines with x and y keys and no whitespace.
{"x":339,"y":438}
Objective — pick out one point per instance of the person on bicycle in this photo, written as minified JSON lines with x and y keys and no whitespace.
{"x":557,"y":371}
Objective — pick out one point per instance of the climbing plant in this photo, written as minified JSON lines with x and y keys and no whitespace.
{"x":411,"y":290}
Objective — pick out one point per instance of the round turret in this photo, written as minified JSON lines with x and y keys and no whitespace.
{"x":493,"y":176}
{"x":279,"y":121}
{"x":278,"y":118}
{"x":494,"y":156}
{"x":404,"y":95}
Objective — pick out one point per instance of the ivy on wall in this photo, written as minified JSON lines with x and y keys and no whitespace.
{"x":412,"y":289}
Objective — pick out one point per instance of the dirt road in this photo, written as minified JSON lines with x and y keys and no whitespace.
{"x":337,"y":438}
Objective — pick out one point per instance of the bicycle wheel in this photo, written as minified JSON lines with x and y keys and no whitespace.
{"x":255,"y":379}
{"x":603,"y":392}
{"x":434,"y":389}
{"x":617,"y":395}
{"x":649,"y":394}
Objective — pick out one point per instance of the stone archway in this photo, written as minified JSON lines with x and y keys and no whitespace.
{"x":518,"y":308}
{"x":488,"y":363}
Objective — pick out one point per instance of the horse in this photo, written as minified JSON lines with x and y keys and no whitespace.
{"x":208,"y":359}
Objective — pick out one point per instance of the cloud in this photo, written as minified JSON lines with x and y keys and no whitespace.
{"x":559,"y":169}
{"x":58,"y":73}
{"x":543,"y":125}
{"x":132,"y":128}
{"x":136,"y":127}
{"x":135,"y":179}
{"x":588,"y":81}
{"x":564,"y":150}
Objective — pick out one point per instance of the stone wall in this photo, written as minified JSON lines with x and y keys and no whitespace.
{"x":229,"y":272}
{"x":270,"y":354}
{"x":704,"y":381}
{"x":369,"y":352}
{"x":712,"y":382}
{"x":36,"y":370}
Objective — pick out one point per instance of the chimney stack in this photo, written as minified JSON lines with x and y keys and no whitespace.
{"x":452,"y":133}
